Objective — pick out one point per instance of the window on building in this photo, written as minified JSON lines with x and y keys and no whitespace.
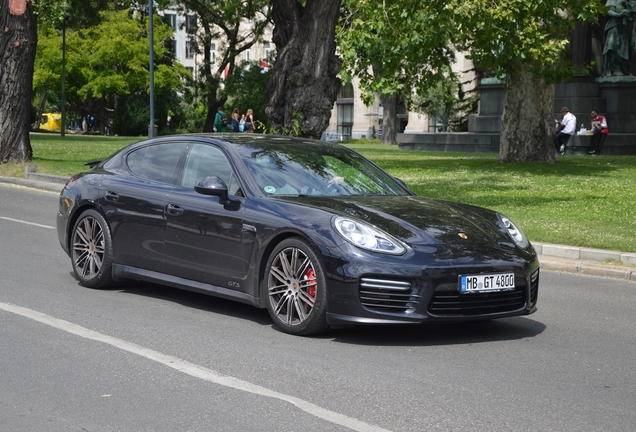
{"x":346,"y":92}
{"x":434,"y":124}
{"x":345,"y":119}
{"x":171,"y":20}
{"x":191,"y":23}
{"x":270,"y":56}
{"x":247,"y":55}
{"x":345,"y":110}
{"x":190,"y":48}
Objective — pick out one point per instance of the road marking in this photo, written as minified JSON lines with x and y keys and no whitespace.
{"x":27,"y":223}
{"x":192,"y":369}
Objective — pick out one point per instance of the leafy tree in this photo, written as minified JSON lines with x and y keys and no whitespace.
{"x":107,"y":63}
{"x":304,"y":82}
{"x":234,"y":26}
{"x":18,"y":41}
{"x":250,"y":84}
{"x":525,"y":41}
{"x":397,"y":49}
{"x":447,"y":102}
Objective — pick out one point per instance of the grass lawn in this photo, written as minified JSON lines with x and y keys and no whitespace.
{"x":579,"y":201}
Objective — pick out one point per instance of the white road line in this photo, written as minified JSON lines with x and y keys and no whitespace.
{"x":192,"y":369}
{"x":27,"y":223}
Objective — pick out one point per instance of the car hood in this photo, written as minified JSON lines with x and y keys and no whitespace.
{"x":413,"y":219}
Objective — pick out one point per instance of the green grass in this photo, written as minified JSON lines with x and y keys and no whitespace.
{"x":579,"y":201}
{"x":66,"y":156}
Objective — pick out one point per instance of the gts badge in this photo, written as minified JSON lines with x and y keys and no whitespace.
{"x":233,"y":284}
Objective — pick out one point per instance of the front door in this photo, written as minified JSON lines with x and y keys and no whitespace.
{"x":205,"y":241}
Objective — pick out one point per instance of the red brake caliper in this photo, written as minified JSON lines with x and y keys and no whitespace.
{"x":311,"y":288}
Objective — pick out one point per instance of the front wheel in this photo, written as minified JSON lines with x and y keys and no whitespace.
{"x":296,"y":289}
{"x":92,"y":251}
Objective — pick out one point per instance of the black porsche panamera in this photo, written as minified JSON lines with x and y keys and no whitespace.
{"x":312,"y":231}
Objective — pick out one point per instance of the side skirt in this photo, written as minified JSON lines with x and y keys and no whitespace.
{"x":121,"y":272}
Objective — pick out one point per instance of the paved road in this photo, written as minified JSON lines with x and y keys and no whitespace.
{"x":144,"y":357}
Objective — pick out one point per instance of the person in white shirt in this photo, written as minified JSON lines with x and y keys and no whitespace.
{"x":565,"y":130}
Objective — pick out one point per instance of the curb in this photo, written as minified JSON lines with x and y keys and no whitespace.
{"x":587,"y":268}
{"x":559,"y":258}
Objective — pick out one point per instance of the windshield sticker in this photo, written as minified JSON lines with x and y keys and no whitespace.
{"x":269,"y":189}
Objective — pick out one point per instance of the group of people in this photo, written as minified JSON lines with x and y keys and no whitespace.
{"x":242,"y":123}
{"x":567,"y":126}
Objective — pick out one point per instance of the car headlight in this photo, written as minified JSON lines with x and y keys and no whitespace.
{"x":515,"y":232}
{"x":366,"y":237}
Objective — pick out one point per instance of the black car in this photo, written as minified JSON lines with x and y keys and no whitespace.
{"x":312,"y":231}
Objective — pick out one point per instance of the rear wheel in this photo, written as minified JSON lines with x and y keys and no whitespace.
{"x":296,"y":289}
{"x":92,"y":251}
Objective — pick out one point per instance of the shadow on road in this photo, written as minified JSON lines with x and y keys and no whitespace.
{"x":382,"y":335}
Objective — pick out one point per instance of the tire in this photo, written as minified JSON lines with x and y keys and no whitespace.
{"x":296,"y":289}
{"x":92,"y":251}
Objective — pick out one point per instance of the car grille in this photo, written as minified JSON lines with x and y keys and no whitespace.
{"x":383,"y":295}
{"x":450,"y":302}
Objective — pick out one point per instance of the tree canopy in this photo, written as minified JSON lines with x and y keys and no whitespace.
{"x":396,"y":48}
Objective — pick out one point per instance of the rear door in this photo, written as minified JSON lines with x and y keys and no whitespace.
{"x":135,"y":200}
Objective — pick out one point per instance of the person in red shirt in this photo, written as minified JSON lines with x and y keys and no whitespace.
{"x":599,"y":133}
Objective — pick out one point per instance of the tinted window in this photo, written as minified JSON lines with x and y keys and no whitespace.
{"x":205,"y":160}
{"x":156,"y":162}
{"x":313,"y":169}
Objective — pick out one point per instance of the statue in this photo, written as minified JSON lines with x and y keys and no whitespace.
{"x":620,"y":39}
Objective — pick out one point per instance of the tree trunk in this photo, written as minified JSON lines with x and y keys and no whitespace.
{"x":527,"y":125}
{"x":18,"y":42}
{"x":304,"y":85}
{"x":210,"y":80}
{"x":389,"y":120}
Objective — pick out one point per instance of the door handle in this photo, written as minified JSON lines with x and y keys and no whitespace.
{"x":111,"y":196}
{"x":174,"y":209}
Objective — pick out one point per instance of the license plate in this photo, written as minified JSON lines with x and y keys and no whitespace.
{"x":482,"y":283}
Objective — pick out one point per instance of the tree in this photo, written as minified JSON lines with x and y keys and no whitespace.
{"x":448,"y":102}
{"x":525,"y":41}
{"x":107,"y":63}
{"x":234,"y":26}
{"x":250,"y":91}
{"x":304,"y":85}
{"x":18,"y":40}
{"x":396,"y":49}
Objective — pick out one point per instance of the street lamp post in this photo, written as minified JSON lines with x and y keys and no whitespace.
{"x":63,"y":74}
{"x":151,"y":129}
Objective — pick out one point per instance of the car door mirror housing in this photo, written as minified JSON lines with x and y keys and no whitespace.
{"x":213,"y":185}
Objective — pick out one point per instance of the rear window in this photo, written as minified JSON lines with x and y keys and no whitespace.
{"x":156,"y":162}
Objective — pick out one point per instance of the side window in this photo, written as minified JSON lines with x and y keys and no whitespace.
{"x":155,"y":162}
{"x":205,"y":160}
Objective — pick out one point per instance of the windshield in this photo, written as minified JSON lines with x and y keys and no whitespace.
{"x":297,"y":168}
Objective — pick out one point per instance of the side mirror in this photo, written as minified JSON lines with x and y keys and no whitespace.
{"x":214,"y":186}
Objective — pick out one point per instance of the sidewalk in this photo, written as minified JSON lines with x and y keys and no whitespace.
{"x":560,"y":258}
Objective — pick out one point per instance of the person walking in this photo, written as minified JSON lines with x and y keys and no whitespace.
{"x":566,"y":129}
{"x":220,"y":120}
{"x":599,"y":133}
